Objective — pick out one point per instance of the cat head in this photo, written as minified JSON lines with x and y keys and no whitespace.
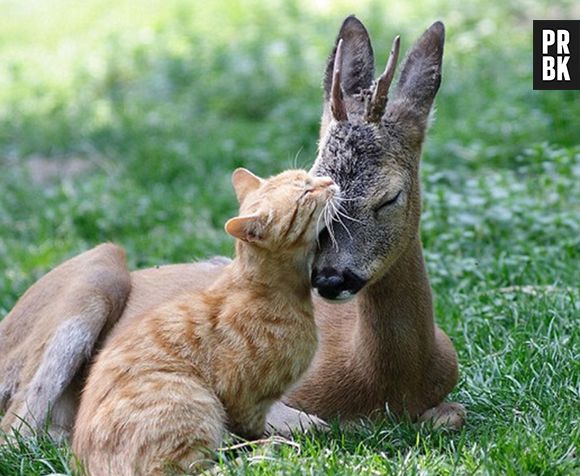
{"x":286,"y":211}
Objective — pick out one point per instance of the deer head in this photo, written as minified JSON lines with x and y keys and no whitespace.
{"x":370,"y":144}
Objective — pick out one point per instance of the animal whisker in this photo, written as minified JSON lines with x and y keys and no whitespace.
{"x":342,"y":212}
{"x":343,"y":199}
{"x":328,"y":223}
{"x":328,"y":219}
{"x":295,"y":162}
{"x":337,"y":217}
{"x":318,"y":229}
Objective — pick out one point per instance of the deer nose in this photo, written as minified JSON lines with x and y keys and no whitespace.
{"x":336,"y":285}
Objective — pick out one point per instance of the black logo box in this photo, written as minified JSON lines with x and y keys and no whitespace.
{"x":573,"y":28}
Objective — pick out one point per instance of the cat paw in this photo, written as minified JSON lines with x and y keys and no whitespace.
{"x":282,"y":420}
{"x":446,"y":415}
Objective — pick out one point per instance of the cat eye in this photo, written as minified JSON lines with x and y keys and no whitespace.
{"x":388,"y":201}
{"x":302,"y":184}
{"x":307,"y":187}
{"x":305,"y":191}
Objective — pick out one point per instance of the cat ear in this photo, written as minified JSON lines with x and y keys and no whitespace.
{"x":248,"y":228}
{"x":244,"y":182}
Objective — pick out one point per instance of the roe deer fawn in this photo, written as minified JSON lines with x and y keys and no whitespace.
{"x":380,"y":349}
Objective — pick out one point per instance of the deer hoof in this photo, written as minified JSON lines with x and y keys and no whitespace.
{"x":450,"y":416}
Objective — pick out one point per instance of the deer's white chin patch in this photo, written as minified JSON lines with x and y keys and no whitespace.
{"x":345,"y":296}
{"x":340,"y":299}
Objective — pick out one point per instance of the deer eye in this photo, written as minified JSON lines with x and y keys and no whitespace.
{"x":388,"y":201}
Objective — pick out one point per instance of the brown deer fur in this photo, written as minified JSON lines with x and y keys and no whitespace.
{"x":382,"y":349}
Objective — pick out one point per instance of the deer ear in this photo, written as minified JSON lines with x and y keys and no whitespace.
{"x":248,"y":228}
{"x":244,"y":182}
{"x":358,"y":68}
{"x":419,"y":81}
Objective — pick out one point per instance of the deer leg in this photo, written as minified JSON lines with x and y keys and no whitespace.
{"x":53,"y":331}
{"x":447,"y":415}
{"x":443,"y":376}
{"x":283,"y":420}
{"x":9,"y":382}
{"x":70,"y":347}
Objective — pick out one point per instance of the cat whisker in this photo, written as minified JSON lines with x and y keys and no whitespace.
{"x":326,"y":224}
{"x":342,"y":212}
{"x":337,"y":217}
{"x":343,"y":199}
{"x":328,"y":219}
{"x":318,"y":229}
{"x":344,"y":215}
{"x":332,"y":218}
{"x":295,"y":163}
{"x":346,"y":229}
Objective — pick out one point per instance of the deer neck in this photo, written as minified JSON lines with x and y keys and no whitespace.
{"x":395,"y":314}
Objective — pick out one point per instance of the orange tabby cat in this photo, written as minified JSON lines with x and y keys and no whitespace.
{"x":161,"y":396}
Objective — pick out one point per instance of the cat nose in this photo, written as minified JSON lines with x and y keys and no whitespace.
{"x":325,"y":181}
{"x":326,"y":184}
{"x":336,"y":285}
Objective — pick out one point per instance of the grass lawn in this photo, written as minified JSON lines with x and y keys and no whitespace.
{"x":123,"y":120}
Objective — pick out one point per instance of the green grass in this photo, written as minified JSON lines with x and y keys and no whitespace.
{"x":164,"y":99}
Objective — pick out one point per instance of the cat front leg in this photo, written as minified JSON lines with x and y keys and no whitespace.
{"x":151,"y":424}
{"x":282,"y":420}
{"x":248,"y":422}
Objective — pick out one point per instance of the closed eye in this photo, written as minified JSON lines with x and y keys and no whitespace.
{"x":303,"y":194}
{"x":389,"y":201}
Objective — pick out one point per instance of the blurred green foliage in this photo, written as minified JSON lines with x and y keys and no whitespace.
{"x":160,"y":101}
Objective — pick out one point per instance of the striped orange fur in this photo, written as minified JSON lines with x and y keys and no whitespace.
{"x":159,"y":398}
